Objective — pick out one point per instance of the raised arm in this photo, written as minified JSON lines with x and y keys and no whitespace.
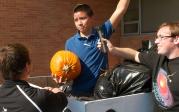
{"x":119,"y":12}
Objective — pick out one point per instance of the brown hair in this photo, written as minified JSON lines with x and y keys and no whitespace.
{"x":173,"y":26}
{"x":13,"y":60}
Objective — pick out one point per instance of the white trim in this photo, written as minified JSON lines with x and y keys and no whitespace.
{"x":36,"y":106}
{"x":35,"y":86}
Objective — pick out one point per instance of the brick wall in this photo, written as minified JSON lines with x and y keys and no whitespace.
{"x":44,"y":25}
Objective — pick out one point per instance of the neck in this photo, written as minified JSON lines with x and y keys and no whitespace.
{"x":86,"y":34}
{"x":24,"y":76}
{"x":174,"y":54}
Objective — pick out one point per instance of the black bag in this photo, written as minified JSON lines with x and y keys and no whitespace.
{"x":127,"y":78}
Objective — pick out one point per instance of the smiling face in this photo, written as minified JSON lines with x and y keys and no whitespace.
{"x":82,"y":22}
{"x":165,"y":41}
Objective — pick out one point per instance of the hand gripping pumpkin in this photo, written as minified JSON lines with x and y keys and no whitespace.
{"x":65,"y":64}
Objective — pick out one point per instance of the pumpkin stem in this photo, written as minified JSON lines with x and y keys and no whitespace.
{"x":66,"y":68}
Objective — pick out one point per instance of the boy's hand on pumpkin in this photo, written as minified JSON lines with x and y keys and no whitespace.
{"x":64,"y":84}
{"x":60,"y":80}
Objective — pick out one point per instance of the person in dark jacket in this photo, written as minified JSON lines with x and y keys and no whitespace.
{"x":16,"y":94}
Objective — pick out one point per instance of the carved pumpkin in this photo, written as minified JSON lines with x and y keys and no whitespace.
{"x":65,"y":64}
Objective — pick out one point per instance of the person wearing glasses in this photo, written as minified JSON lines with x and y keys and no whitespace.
{"x":164,"y":64}
{"x":16,"y":94}
{"x":84,"y":45}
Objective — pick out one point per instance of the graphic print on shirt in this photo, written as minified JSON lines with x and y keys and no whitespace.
{"x":161,"y":90}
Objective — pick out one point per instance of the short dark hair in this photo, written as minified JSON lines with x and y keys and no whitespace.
{"x":13,"y":60}
{"x":85,"y":8}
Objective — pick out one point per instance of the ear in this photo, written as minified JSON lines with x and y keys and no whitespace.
{"x":26,"y":72}
{"x":28,"y":68}
{"x":176,"y":41}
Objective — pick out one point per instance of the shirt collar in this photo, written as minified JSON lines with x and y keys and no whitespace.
{"x":91,"y":35}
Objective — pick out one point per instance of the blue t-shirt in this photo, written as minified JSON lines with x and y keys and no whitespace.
{"x":93,"y":61}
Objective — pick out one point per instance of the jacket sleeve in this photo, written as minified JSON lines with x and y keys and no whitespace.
{"x":56,"y":101}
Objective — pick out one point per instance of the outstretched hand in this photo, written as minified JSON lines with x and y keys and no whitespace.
{"x":54,"y":90}
{"x":109,"y":44}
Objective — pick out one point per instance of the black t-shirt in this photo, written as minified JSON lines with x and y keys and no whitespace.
{"x":12,"y":100}
{"x":165,"y":80}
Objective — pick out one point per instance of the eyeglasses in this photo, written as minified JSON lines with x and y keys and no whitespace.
{"x":163,"y":37}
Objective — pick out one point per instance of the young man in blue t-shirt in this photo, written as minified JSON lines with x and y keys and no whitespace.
{"x":84,"y":45}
